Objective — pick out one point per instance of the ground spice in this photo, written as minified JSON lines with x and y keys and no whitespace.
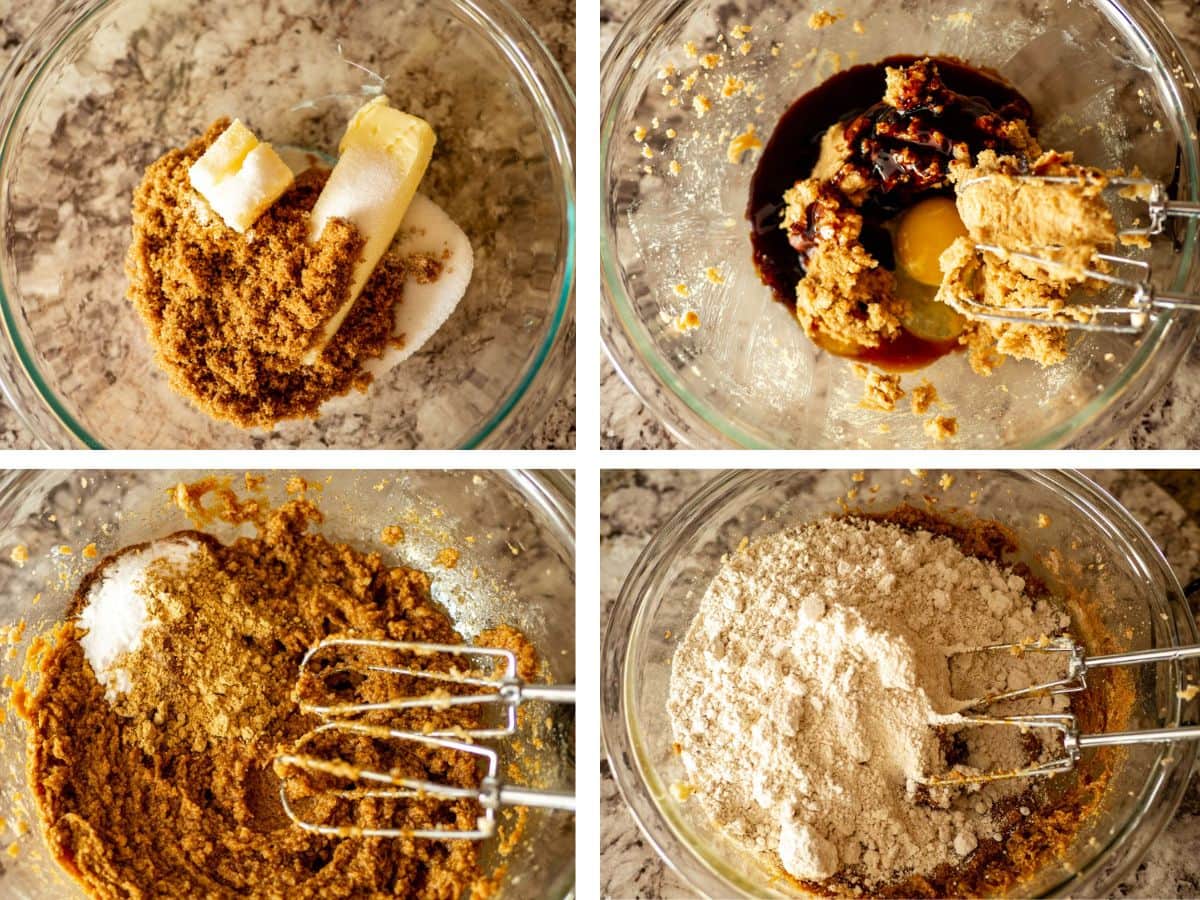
{"x":231,"y":316}
{"x":172,"y":791}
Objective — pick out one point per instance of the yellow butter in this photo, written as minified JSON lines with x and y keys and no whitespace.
{"x":240,"y":176}
{"x":383,"y":157}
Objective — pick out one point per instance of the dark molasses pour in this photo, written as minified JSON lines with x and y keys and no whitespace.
{"x":906,"y":154}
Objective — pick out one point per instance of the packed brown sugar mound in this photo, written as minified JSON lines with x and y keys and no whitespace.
{"x":232,"y":316}
{"x":164,"y":784}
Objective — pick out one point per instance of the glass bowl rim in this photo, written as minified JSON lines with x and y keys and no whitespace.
{"x":694,"y":422}
{"x":626,"y":757}
{"x":549,"y":491}
{"x":527,"y":57}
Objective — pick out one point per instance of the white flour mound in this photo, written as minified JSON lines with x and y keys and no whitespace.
{"x":116,"y":613}
{"x":806,"y":693}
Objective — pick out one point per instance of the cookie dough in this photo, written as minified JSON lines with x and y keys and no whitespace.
{"x":171,"y":790}
{"x":846,"y":298}
{"x":1066,"y":223}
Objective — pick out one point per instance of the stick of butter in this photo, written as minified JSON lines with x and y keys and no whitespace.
{"x":383,"y":157}
{"x":239,"y":176}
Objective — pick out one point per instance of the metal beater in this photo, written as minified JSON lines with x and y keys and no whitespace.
{"x":506,"y":690}
{"x":1146,"y":299}
{"x":1065,"y":724}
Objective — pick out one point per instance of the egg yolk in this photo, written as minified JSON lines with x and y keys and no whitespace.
{"x":924,"y":233}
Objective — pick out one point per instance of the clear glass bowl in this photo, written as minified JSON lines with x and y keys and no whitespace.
{"x":1106,"y":79}
{"x":524,"y":548}
{"x":1106,"y":557}
{"x":101,"y":89}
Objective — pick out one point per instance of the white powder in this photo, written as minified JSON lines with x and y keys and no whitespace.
{"x":116,"y":613}
{"x":806,"y":693}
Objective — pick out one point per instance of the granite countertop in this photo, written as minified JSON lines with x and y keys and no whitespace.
{"x":634,"y":504}
{"x":1167,"y":423}
{"x":554,"y":21}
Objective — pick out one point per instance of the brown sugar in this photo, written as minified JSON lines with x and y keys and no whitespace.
{"x":172,"y":790}
{"x":232,"y":316}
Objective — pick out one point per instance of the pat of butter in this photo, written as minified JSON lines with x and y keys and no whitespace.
{"x":383,"y":157}
{"x":240,"y":177}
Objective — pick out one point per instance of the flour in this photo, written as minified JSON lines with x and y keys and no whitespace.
{"x":806,"y":694}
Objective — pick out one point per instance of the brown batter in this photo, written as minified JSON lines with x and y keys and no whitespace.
{"x":172,"y":792}
{"x":231,"y":316}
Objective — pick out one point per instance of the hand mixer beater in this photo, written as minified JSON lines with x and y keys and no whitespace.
{"x":1074,"y":678}
{"x":465,"y":682}
{"x":1135,"y":276}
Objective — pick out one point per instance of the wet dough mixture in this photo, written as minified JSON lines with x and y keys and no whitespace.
{"x":925,"y":139}
{"x":170,"y":791}
{"x":231,"y":316}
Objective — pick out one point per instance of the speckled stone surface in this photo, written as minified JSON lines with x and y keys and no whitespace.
{"x":635,"y":504}
{"x":554,"y":22}
{"x":1167,"y":424}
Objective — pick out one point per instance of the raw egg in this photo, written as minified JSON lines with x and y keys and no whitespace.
{"x":924,"y":233}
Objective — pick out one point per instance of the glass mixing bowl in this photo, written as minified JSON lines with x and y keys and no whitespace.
{"x":102,"y":88}
{"x":1106,"y":79}
{"x":524,"y":548}
{"x":1106,"y":557}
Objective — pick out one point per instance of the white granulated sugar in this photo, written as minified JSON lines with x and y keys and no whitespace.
{"x":806,"y":694}
{"x":116,"y":613}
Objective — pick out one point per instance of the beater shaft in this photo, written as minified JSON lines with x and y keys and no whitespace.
{"x":1066,"y":724}
{"x":1078,"y":665}
{"x":506,"y":690}
{"x":491,"y":795}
